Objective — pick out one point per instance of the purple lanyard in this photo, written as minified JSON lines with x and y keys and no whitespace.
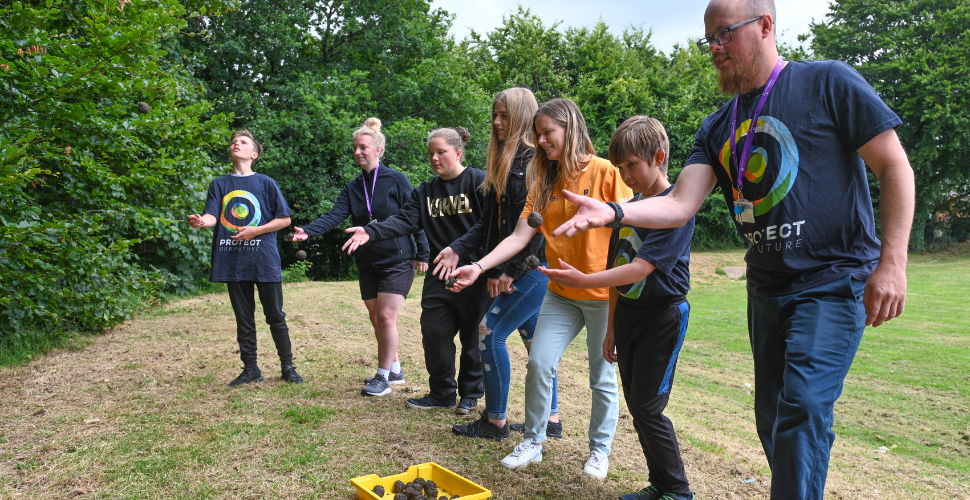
{"x":370,"y":212}
{"x":742,"y":165}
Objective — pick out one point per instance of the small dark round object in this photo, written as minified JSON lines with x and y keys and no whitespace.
{"x":398,"y":486}
{"x":450,"y":282}
{"x":400,"y":496}
{"x":535,"y":220}
{"x":442,"y":497}
{"x":431,"y":492}
{"x":379,"y":490}
{"x":531,"y":263}
{"x":301,"y":254}
{"x":144,"y":108}
{"x":419,"y":480}
{"x":430,"y":484}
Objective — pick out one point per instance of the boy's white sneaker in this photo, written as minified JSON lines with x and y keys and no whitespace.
{"x":597,"y":465}
{"x":524,"y":454}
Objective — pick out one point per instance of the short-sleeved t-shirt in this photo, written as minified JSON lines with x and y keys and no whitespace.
{"x":813,"y":213}
{"x":588,"y":250}
{"x":245,"y":200}
{"x":667,"y":249}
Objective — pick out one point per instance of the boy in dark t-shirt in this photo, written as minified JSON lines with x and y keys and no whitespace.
{"x":649,"y":272}
{"x":246,"y":209}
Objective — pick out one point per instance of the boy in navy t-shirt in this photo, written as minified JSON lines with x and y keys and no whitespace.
{"x":648,"y":270}
{"x":246,"y":209}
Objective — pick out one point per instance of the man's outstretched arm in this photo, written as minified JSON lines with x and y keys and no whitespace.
{"x":694,"y":184}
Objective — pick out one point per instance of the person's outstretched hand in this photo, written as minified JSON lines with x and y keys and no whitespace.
{"x":447,"y":261}
{"x":299,"y":234}
{"x":196,"y":221}
{"x":591,"y":213}
{"x":466,"y":276}
{"x":359,"y":238}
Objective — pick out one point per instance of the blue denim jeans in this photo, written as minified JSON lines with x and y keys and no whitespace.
{"x":803,"y":345}
{"x":560,"y":321}
{"x":510,"y":311}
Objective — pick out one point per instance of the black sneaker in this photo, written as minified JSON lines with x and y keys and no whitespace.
{"x":377,"y":387}
{"x":249,"y":374}
{"x":482,"y":428}
{"x":430,"y":402}
{"x":290,"y":375}
{"x":465,"y":406}
{"x":393,"y":378}
{"x":553,"y":429}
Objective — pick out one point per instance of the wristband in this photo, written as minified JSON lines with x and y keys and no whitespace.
{"x":618,"y":214}
{"x":479,"y":266}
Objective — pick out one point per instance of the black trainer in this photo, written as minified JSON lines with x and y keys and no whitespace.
{"x":377,"y":387}
{"x":465,"y":406}
{"x":553,"y":429}
{"x":393,"y":378}
{"x":290,"y":375}
{"x":430,"y":402}
{"x":482,"y":428}
{"x":249,"y":374}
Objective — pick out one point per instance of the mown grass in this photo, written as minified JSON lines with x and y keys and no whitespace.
{"x":143,"y":411}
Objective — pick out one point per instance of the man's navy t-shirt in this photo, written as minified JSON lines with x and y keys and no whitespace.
{"x":813,"y":213}
{"x":667,"y":249}
{"x":238,"y":201}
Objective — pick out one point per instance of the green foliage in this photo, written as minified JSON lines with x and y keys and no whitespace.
{"x":916,"y":53}
{"x":89,"y":187}
{"x":296,"y":272}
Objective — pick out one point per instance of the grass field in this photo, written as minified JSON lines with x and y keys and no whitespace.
{"x":143,"y":410}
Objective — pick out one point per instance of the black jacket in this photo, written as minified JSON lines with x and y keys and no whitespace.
{"x":492,"y":229}
{"x":390,"y":193}
{"x":445,"y":210}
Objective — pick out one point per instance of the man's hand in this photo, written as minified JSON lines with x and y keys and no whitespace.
{"x":447,"y":261}
{"x":609,"y":346}
{"x":885,"y":295}
{"x":501,"y":285}
{"x":247,"y":233}
{"x":567,"y":276}
{"x":299,"y":234}
{"x":420,"y":267}
{"x":466,"y":276}
{"x":591,"y":213}
{"x":359,"y":237}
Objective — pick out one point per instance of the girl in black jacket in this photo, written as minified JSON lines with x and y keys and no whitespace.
{"x":385,"y":270}
{"x":445,"y":207}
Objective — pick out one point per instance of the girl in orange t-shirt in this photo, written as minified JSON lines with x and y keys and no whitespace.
{"x":565,"y":159}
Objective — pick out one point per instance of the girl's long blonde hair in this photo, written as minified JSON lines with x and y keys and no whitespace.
{"x":544,"y":174}
{"x":521,"y":106}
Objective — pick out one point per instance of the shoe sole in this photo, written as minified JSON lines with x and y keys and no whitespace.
{"x":535,"y":460}
{"x":382,"y":393}
{"x":391,"y":382}
{"x":472,"y":436}
{"x":260,"y":379}
{"x":419,"y":407}
{"x":464,"y":411}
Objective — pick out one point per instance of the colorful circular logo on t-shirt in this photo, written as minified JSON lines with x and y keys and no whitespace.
{"x":758,"y":161}
{"x":628,"y":244}
{"x":239,"y":209}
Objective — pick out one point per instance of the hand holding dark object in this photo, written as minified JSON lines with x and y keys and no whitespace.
{"x":450,"y":282}
{"x":535,"y":220}
{"x":301,"y":254}
{"x":298,"y":235}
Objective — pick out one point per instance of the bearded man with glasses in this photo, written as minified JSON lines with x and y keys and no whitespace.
{"x":789,"y":152}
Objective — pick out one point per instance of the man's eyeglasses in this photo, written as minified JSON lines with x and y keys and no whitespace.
{"x":722,"y":36}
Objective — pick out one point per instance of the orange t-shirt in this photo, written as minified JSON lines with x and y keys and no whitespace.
{"x":586,"y":251}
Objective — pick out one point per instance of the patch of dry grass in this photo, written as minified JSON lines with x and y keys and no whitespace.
{"x":144,"y":412}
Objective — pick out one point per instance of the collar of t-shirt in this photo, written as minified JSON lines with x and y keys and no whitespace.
{"x":243,"y":175}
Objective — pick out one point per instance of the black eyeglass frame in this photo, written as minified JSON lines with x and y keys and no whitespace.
{"x":704,"y":44}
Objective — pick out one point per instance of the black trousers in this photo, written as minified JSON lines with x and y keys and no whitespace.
{"x":443,"y":314}
{"x":648,"y":340}
{"x":243,"y":302}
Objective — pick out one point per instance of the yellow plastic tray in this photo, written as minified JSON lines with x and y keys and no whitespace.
{"x":448,"y":483}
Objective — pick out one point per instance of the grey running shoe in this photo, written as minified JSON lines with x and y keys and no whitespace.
{"x":482,"y":428}
{"x":249,"y":374}
{"x":553,"y":429}
{"x":465,"y":406}
{"x":393,"y":378}
{"x":377,"y":387}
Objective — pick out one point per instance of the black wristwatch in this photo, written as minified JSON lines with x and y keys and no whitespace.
{"x":619,"y":214}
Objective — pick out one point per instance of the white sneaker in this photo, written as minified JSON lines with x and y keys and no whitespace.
{"x":596,"y":465}
{"x":524,"y":454}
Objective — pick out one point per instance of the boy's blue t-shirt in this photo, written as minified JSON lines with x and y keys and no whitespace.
{"x":238,"y":201}
{"x":813,"y":218}
{"x":667,"y":249}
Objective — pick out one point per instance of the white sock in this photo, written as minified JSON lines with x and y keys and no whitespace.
{"x":384,"y":373}
{"x":396,"y":367}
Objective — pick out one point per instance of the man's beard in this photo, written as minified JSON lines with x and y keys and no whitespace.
{"x":741,"y":79}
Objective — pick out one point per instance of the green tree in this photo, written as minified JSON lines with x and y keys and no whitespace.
{"x":916,"y":53}
{"x":91,"y":181}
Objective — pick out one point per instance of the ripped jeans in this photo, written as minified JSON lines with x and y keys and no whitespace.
{"x":510,"y":311}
